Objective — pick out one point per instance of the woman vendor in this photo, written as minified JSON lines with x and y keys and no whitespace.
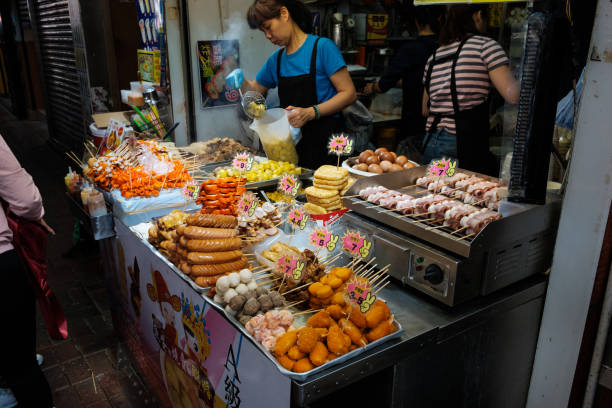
{"x":309,"y":71}
{"x":457,"y":81}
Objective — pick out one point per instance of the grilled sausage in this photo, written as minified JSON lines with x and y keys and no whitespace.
{"x":210,"y":270}
{"x":212,"y":220}
{"x":211,"y":245}
{"x":205,"y":281}
{"x":192,"y":232}
{"x":206,"y":258}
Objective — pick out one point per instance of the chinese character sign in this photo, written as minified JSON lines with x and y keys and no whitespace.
{"x":247,"y":204}
{"x":298,"y":217}
{"x":289,"y":184}
{"x":216,"y":59}
{"x":442,"y":167}
{"x":356,"y":244}
{"x":191,"y":190}
{"x":340,"y":145}
{"x":360,"y":294}
{"x":242,"y":162}
{"x":290,"y":266}
{"x":323,"y":239}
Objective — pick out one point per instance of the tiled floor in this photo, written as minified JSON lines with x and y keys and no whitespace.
{"x":90,"y":368}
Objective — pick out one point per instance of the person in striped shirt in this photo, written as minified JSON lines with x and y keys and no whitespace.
{"x":457,"y":81}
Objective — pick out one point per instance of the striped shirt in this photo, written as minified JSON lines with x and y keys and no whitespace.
{"x":479,"y":56}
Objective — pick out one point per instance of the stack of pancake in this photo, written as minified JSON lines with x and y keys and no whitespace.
{"x":330,"y":183}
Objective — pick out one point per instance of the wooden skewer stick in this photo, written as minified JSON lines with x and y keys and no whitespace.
{"x":439,"y":226}
{"x":382,"y":282}
{"x":266,"y":276}
{"x":413,"y":185}
{"x":436,"y":220}
{"x":293,"y":304}
{"x":329,"y":261}
{"x":296,"y":288}
{"x":466,"y":236}
{"x":382,"y":287}
{"x":388,"y":210}
{"x":369,"y":271}
{"x":379,"y":275}
{"x":351,"y":196}
{"x":308,"y":311}
{"x":263,"y":271}
{"x":364,"y":266}
{"x":459,"y":230}
{"x":267,"y":282}
{"x":382,"y":271}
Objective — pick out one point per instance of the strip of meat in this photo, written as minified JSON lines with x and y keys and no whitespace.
{"x":207,"y":258}
{"x":455,"y":178}
{"x":391,"y":202}
{"x":495,"y":194}
{"x":212,"y":220}
{"x":480,"y":219}
{"x":366,"y":192}
{"x":193,"y":232}
{"x":439,"y":209}
{"x":424,"y":181}
{"x":479,"y":189}
{"x":206,"y":281}
{"x":452,"y":217}
{"x":422,"y":204}
{"x":406,"y":206}
{"x":211,"y":245}
{"x":209,"y":270}
{"x":463,"y":184}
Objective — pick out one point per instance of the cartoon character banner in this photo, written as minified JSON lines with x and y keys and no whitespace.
{"x":190,"y":354}
{"x":216,"y":60}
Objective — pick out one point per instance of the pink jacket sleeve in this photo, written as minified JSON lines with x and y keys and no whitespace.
{"x":17,"y":187}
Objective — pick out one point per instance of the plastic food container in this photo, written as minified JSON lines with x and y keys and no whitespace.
{"x":275,"y":135}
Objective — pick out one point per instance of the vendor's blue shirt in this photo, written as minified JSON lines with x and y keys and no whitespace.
{"x":329,"y":61}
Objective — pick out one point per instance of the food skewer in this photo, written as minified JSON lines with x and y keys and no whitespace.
{"x":362,"y":267}
{"x":293,"y":304}
{"x":296,"y":288}
{"x":267,"y":282}
{"x":459,"y":230}
{"x":466,"y":236}
{"x":382,"y":287}
{"x":307,"y":311}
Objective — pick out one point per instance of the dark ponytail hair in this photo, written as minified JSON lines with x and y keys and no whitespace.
{"x":262,"y":10}
{"x":459,"y":23}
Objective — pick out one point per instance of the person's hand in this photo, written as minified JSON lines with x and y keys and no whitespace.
{"x":370,"y":88}
{"x":300,"y":116}
{"x":234,"y":79}
{"x":46,"y":227}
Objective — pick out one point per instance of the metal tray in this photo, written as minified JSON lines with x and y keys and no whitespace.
{"x":296,"y":376}
{"x":101,"y":227}
{"x":255,"y":185}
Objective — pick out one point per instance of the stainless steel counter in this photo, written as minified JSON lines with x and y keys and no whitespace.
{"x":426,"y":324}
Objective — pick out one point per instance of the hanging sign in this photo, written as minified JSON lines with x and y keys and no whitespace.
{"x":356,"y":244}
{"x":247,"y":204}
{"x":289,"y":184}
{"x":298,"y":217}
{"x":442,"y":167}
{"x":290,"y":266}
{"x":360,"y":294}
{"x":340,"y":145}
{"x":191,"y":190}
{"x":242,"y":162}
{"x":323,"y":239}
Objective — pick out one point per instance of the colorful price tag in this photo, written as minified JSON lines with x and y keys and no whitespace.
{"x":242,"y":162}
{"x":442,"y":167}
{"x":324,"y":239}
{"x":290,"y":266}
{"x":191,"y":190}
{"x":360,"y":295}
{"x":247,"y":204}
{"x":289,"y":184}
{"x":356,"y":244}
{"x":340,"y":145}
{"x":298,"y":217}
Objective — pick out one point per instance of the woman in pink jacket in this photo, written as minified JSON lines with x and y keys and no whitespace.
{"x":18,"y":365}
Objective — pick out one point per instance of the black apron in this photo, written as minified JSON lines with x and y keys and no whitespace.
{"x":301,"y":91}
{"x":471,"y":125}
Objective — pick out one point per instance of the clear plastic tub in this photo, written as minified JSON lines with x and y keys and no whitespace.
{"x":275,"y":135}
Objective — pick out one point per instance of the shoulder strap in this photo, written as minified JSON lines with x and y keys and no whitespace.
{"x":453,"y":82}
{"x":278,"y":61}
{"x":313,"y":58}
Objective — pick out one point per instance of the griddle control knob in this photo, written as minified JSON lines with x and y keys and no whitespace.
{"x":434,"y":274}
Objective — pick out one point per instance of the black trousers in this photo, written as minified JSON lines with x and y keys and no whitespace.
{"x":18,"y":365}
